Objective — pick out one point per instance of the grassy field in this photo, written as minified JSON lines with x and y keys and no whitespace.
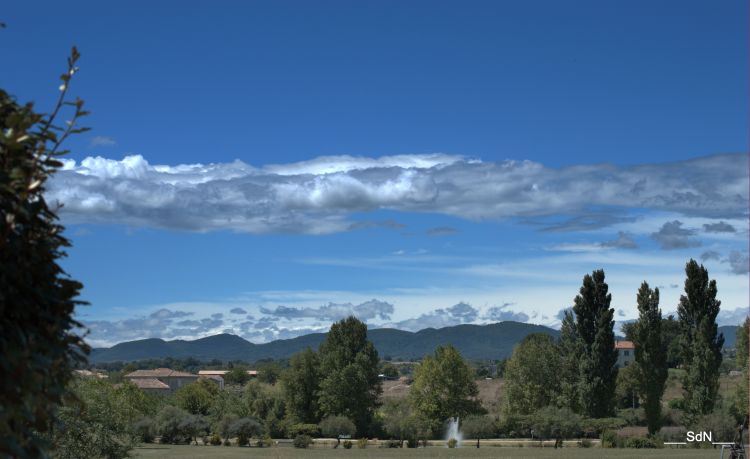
{"x":223,"y":452}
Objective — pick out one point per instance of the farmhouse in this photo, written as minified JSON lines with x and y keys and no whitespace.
{"x":625,"y":353}
{"x":148,"y":379}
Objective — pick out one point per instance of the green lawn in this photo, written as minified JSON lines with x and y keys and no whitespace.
{"x":227,"y":452}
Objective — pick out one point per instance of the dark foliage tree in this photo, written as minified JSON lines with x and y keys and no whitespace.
{"x":650,"y":355}
{"x":301,"y":384}
{"x":349,"y":383}
{"x":700,"y":341}
{"x":38,"y":343}
{"x":594,"y":326}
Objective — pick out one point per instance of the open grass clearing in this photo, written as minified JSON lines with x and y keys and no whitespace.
{"x":229,"y":452}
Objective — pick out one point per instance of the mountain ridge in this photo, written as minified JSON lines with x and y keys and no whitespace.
{"x":475,"y":342}
{"x":479,"y":342}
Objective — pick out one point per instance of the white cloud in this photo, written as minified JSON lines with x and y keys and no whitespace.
{"x":102,"y":141}
{"x":319,"y":196}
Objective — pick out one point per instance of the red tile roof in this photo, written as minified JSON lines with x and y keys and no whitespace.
{"x":149,"y":383}
{"x":624,"y":345}
{"x":160,"y":373}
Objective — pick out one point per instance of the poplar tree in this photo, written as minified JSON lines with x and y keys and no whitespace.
{"x":571,"y":349}
{"x":650,"y":355}
{"x":594,"y":325}
{"x":700,"y":341}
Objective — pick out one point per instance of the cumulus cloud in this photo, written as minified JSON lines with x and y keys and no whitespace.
{"x":739,"y":262}
{"x":238,"y":311}
{"x":159,"y":324}
{"x":720,"y":227}
{"x":501,"y":313}
{"x":334,"y":311}
{"x":732,"y":316}
{"x":439,"y":318}
{"x":673,"y":236}
{"x":320,"y":196}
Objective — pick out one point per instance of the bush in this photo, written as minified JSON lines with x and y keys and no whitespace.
{"x":452,"y":443}
{"x":302,"y":441}
{"x":145,"y":428}
{"x":585,"y":443}
{"x":347,"y":444}
{"x":362,"y":443}
{"x":609,"y":439}
{"x":640,"y":442}
{"x":215,"y":440}
{"x":391,"y":444}
{"x":168,"y":423}
{"x":333,"y":426}
{"x":227,"y":442}
{"x":311,"y":430}
{"x":265,"y":442}
{"x":244,"y":429}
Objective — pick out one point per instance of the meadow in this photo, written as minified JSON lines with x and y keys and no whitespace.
{"x":221,"y":452}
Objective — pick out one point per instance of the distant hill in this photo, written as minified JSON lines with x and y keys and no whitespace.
{"x":476,"y":342}
{"x":730,"y":335}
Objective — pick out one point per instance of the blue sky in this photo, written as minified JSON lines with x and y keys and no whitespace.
{"x":414,"y":163}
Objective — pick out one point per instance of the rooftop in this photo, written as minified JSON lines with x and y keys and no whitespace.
{"x":624,"y":345}
{"x":160,"y":373}
{"x":149,"y":383}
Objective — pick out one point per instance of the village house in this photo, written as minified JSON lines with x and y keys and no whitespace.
{"x":625,"y":353}
{"x":161,"y":379}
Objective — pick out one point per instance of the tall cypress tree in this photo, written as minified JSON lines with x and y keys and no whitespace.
{"x":650,"y":355}
{"x":594,"y":326}
{"x":700,"y":341}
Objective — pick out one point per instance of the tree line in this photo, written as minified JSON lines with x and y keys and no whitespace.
{"x":578,"y":371}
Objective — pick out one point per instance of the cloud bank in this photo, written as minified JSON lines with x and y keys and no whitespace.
{"x":321,"y":195}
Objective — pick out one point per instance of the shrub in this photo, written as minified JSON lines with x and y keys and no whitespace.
{"x":412,"y":443}
{"x":585,"y":443}
{"x":347,"y":444}
{"x":215,"y":440}
{"x":264,"y":442}
{"x":640,"y":442}
{"x":168,"y":423}
{"x":227,"y":442}
{"x":391,"y":444}
{"x":145,"y":428}
{"x":362,"y":443}
{"x":452,"y":443}
{"x":302,"y":441}
{"x":311,"y":430}
{"x":609,"y":439}
{"x":333,"y":426}
{"x":244,"y":429}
